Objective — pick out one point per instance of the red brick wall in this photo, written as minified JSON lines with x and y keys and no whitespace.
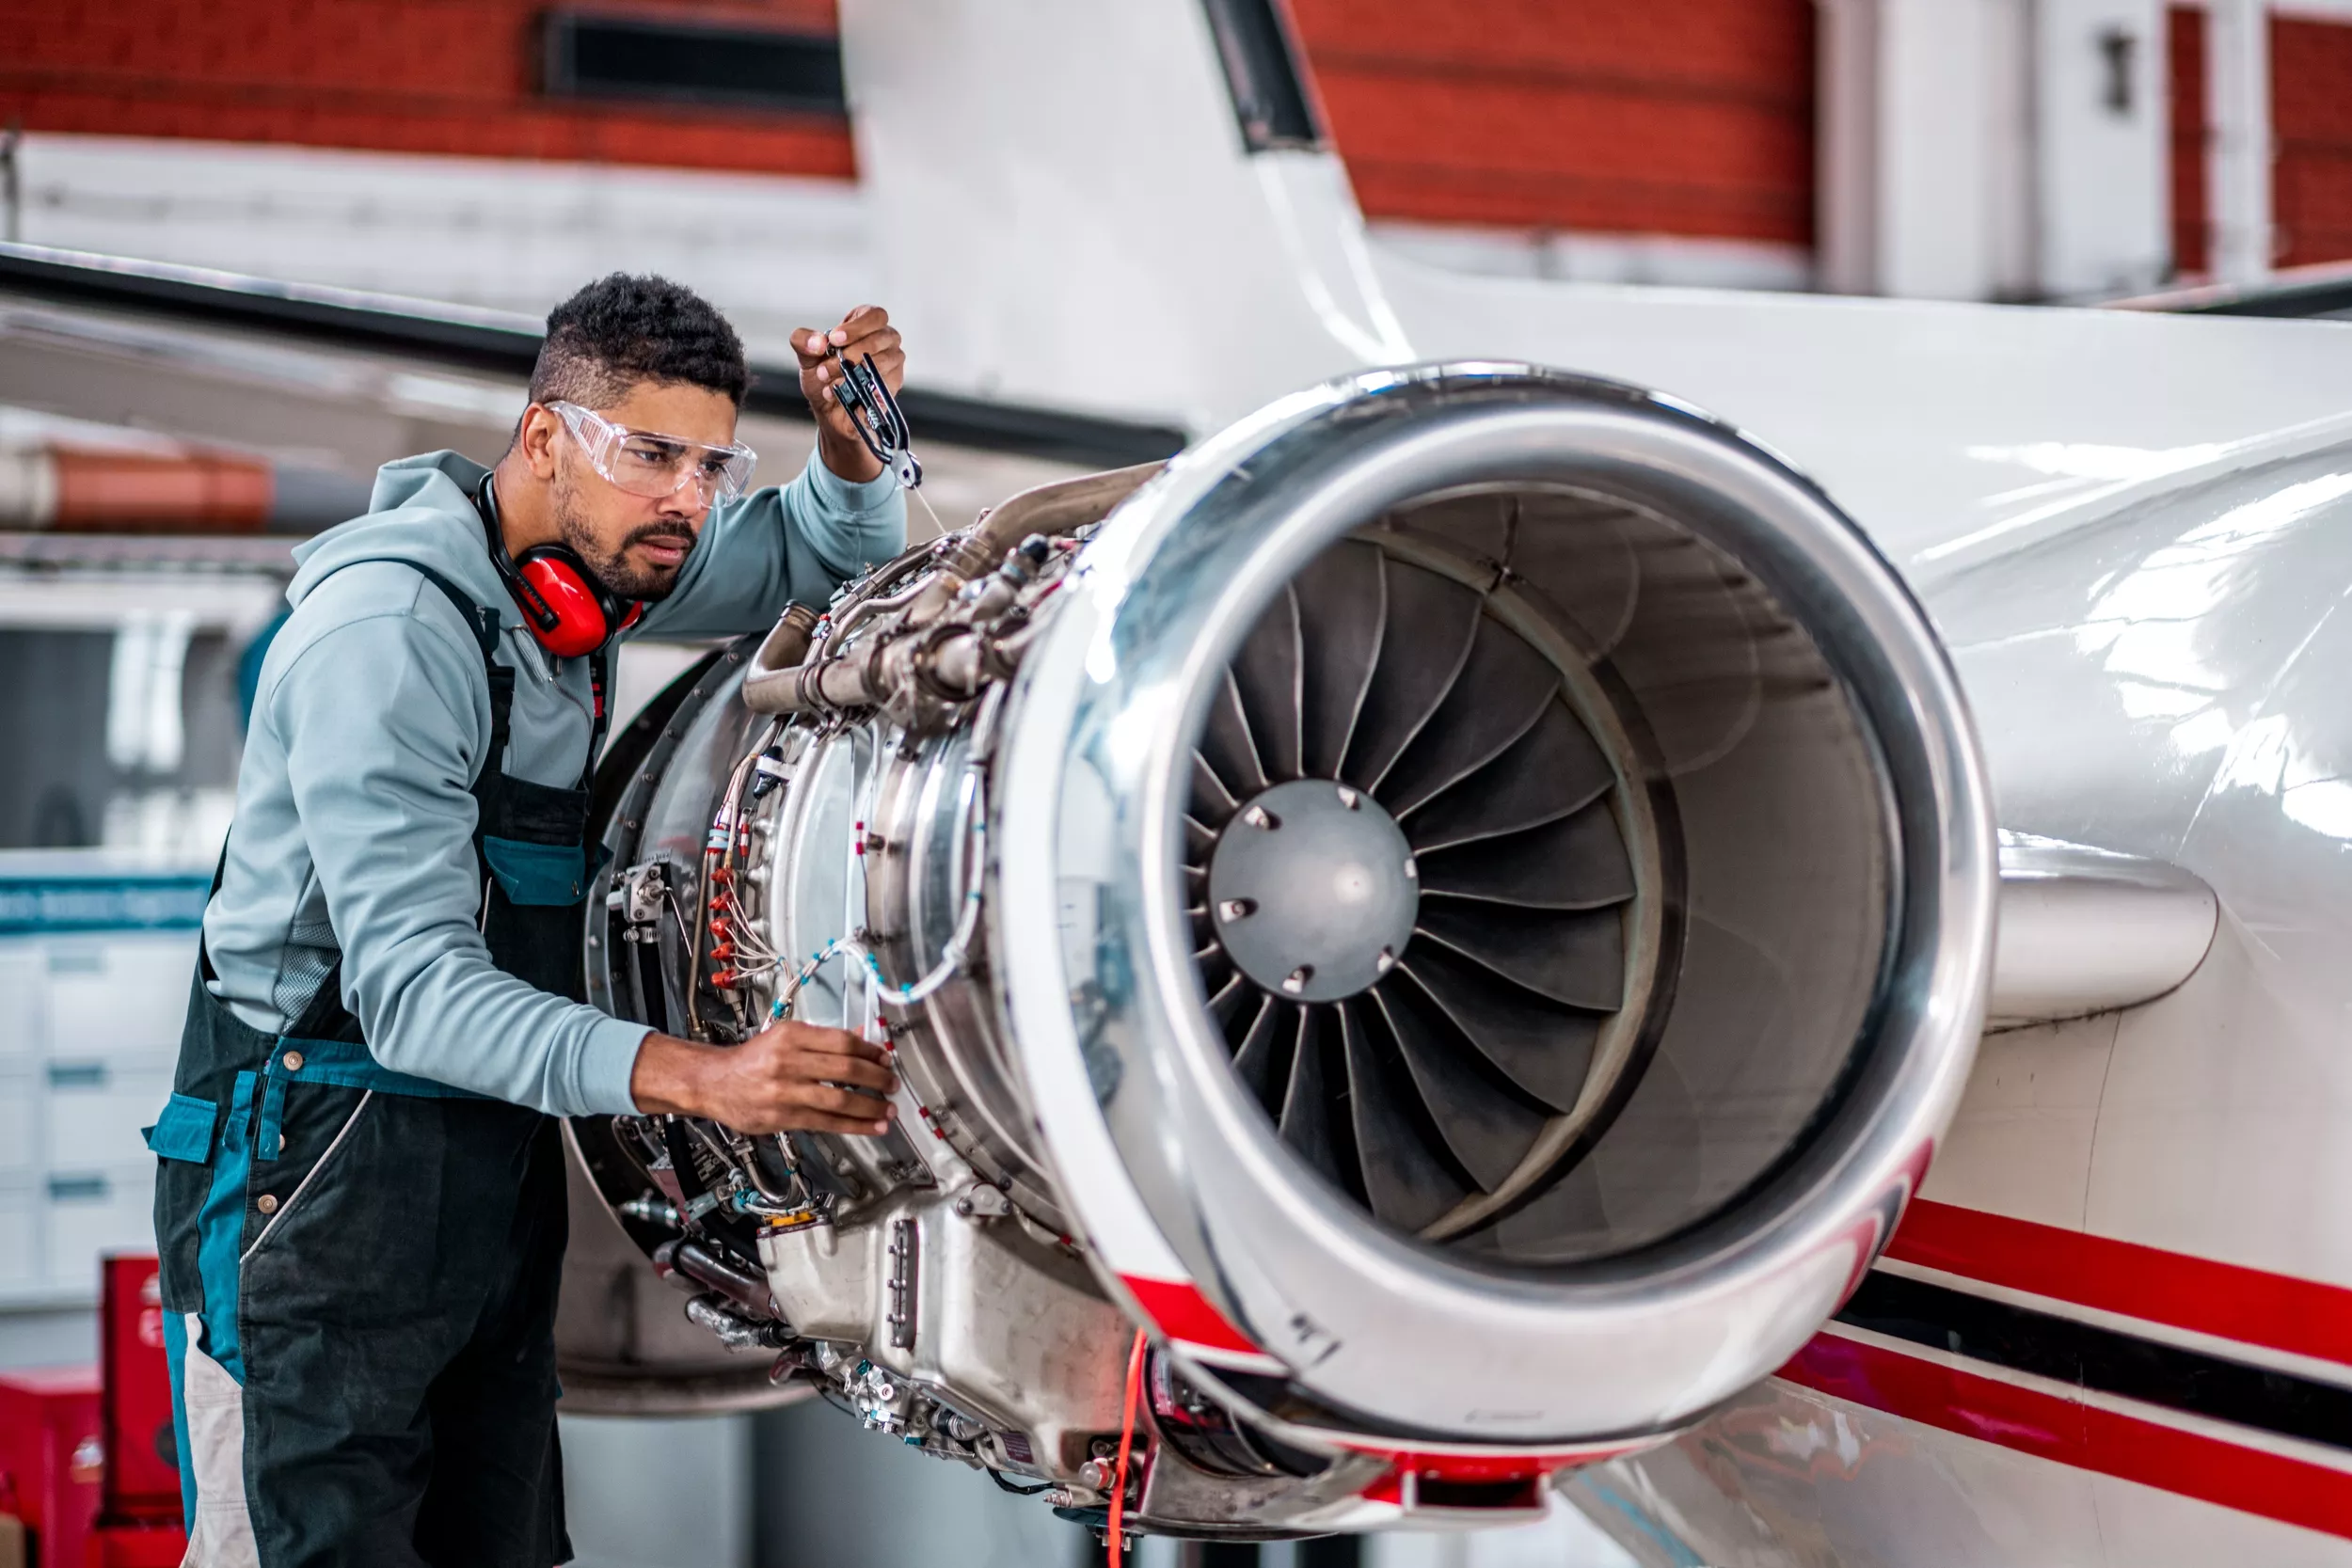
{"x":1670,"y":117}
{"x":2185,"y":57}
{"x":2311,"y":108}
{"x":457,"y":76}
{"x":1674,"y":116}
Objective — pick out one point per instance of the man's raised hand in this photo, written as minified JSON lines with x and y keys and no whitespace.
{"x":865,"y":332}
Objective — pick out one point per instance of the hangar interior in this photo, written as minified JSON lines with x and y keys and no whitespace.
{"x":250,"y":252}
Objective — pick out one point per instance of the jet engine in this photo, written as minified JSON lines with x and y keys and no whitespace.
{"x":1427,"y":942}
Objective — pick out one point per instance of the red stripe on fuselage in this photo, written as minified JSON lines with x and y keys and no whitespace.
{"x":2087,"y":1436}
{"x":2298,"y":1316}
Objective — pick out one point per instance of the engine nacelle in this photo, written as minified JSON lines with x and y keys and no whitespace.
{"x":1459,"y":908}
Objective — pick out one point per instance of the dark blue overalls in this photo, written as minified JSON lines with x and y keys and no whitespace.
{"x":359,"y":1267}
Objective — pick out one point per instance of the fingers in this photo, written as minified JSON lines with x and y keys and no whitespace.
{"x":865,"y":332}
{"x":818,"y":1040}
{"x":830,"y":1100}
{"x":847,"y":1127}
{"x":861,"y":321}
{"x":855,"y":1072}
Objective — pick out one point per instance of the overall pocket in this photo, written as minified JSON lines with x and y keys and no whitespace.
{"x":181,"y":1139}
{"x":293,"y":1179}
{"x":534,"y":839}
{"x":537,"y":873}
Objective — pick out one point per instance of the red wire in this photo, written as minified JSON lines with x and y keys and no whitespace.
{"x":1126,"y":1442}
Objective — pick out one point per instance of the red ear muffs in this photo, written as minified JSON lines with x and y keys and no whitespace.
{"x":566,"y":608}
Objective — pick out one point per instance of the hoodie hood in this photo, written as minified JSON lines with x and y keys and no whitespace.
{"x":421,"y":512}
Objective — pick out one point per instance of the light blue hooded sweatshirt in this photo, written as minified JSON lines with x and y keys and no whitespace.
{"x":355,"y":821}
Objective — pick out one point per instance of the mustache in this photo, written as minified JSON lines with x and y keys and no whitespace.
{"x":662,"y":533}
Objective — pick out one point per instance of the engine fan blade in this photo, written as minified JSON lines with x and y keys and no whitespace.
{"x":1216,"y":970}
{"x":1342,"y":612}
{"x":1266,"y":675}
{"x":1305,"y":1123}
{"x":1259,"y":1060}
{"x":1571,"y":955}
{"x":1432,"y":622}
{"x":1542,"y":1047}
{"x":1405,"y":1181}
{"x":1500,"y":696}
{"x":1577,"y":863}
{"x":1212,"y":803}
{"x":1554,"y":769}
{"x":1225,"y":746}
{"x":1200,"y":842}
{"x":1225,"y":1003}
{"x":1488,"y":1128}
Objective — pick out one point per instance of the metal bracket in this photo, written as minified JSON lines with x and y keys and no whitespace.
{"x":905,"y":1268}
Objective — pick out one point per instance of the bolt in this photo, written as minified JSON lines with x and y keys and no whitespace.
{"x":1258,"y":816}
{"x":1095,"y":1474}
{"x":1297,"y":980}
{"x":1237,"y":909}
{"x":1412,"y":872}
{"x":1349,"y":799}
{"x":1386,"y":961}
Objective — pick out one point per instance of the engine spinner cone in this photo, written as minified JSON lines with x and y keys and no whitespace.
{"x":1313,"y":890}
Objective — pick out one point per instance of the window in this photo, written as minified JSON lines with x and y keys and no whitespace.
{"x":624,"y":58}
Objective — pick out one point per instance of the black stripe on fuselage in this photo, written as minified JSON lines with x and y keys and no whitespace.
{"x":2122,"y":1364}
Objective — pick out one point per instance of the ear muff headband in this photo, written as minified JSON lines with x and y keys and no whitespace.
{"x":568,"y":611}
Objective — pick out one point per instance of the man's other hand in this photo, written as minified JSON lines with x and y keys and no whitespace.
{"x":787,"y":1078}
{"x":864,"y":331}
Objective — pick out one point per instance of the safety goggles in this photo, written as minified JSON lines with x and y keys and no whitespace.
{"x":654,"y":465}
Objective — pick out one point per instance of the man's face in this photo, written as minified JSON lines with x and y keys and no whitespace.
{"x":636,"y":546}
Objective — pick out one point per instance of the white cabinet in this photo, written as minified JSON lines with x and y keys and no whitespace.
{"x":96,"y":1110}
{"x":19,"y":1126}
{"x":89,"y":1027}
{"x":88,"y":1214}
{"x":20,"y":1259}
{"x":24,"y":985}
{"x":119,"y":996}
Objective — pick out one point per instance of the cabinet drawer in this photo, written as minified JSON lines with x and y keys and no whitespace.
{"x":88,"y":1213}
{"x":95,"y":1110}
{"x":24,"y":981}
{"x":19,"y":1122}
{"x":20,"y":1262}
{"x":115,"y":996}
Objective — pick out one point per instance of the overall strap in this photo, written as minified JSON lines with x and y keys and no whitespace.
{"x":220,"y":869}
{"x":484,"y":623}
{"x":600,"y":687}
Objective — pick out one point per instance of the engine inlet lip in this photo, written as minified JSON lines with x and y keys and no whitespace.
{"x":1655,"y":1332}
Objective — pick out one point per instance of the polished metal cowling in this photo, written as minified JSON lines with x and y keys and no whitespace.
{"x":1714,"y":1078}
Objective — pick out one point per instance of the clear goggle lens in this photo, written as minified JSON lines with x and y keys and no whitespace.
{"x":653,"y":466}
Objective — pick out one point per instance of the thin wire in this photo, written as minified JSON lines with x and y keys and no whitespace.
{"x":1117,"y":1535}
{"x":927,"y":508}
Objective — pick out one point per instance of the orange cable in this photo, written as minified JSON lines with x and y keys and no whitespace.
{"x":1117,"y":1539}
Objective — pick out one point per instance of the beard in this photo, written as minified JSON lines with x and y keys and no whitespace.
{"x":610,"y":567}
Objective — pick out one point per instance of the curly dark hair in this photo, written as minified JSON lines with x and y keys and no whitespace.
{"x":624,"y":329}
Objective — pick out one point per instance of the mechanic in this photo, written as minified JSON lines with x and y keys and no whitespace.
{"x":360,"y":1204}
